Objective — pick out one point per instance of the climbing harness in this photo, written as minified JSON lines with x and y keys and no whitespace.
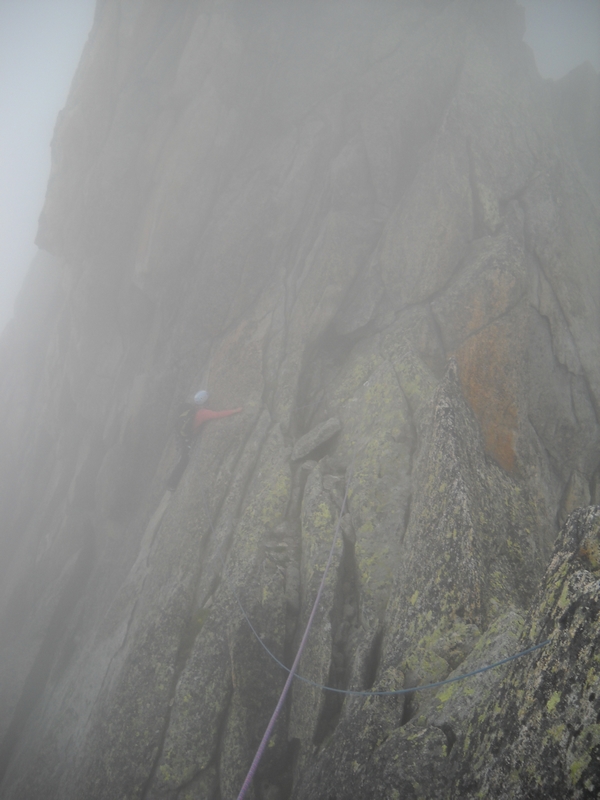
{"x":351,"y":692}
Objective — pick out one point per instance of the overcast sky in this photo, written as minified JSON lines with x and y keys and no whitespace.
{"x":40,"y":45}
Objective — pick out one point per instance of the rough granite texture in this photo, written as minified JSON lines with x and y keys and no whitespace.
{"x":377,"y":229}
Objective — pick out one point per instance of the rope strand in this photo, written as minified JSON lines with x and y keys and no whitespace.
{"x":354,"y":693}
{"x":290,"y":678}
{"x":374,"y":692}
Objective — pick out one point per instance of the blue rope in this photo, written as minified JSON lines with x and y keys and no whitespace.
{"x":355,"y":693}
{"x":369,"y":693}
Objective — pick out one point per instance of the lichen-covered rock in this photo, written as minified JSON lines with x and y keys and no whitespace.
{"x":372,"y":227}
{"x":466,"y":556}
{"x":539,"y":737}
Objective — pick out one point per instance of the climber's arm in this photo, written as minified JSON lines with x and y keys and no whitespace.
{"x":205,"y":414}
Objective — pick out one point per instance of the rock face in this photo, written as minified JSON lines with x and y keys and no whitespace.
{"x":544,"y":717}
{"x":374,"y":227}
{"x":313,"y":439}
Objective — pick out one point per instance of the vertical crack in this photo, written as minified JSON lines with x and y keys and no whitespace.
{"x":344,"y":617}
{"x":373,"y":659}
{"x":448,"y":731}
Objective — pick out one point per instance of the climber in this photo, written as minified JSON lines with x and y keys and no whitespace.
{"x":191,"y":417}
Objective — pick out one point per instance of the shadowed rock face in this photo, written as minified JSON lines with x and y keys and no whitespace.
{"x":375,"y":228}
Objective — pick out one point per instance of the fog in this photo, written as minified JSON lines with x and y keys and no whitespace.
{"x":40,"y":45}
{"x":562,"y":34}
{"x":363,"y":228}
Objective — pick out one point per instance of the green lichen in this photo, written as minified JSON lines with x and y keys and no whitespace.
{"x":553,"y":701}
{"x":563,"y":600}
{"x":445,"y":694}
{"x":322,"y":517}
{"x":590,"y":739}
{"x":361,"y":367}
{"x":556,"y":732}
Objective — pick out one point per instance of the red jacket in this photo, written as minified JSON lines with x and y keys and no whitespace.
{"x":204,"y":415}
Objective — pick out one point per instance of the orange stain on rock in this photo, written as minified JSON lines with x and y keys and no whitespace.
{"x":486,"y":368}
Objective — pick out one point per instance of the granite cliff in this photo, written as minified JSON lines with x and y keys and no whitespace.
{"x":375,"y":228}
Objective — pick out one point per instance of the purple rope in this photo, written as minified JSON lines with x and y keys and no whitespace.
{"x":290,"y":678}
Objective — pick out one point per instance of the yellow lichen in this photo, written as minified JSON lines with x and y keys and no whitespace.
{"x":553,"y":701}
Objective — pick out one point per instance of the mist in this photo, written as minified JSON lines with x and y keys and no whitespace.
{"x":40,"y":45}
{"x":323,"y":289}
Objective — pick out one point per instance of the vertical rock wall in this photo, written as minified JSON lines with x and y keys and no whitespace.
{"x":371,"y":225}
